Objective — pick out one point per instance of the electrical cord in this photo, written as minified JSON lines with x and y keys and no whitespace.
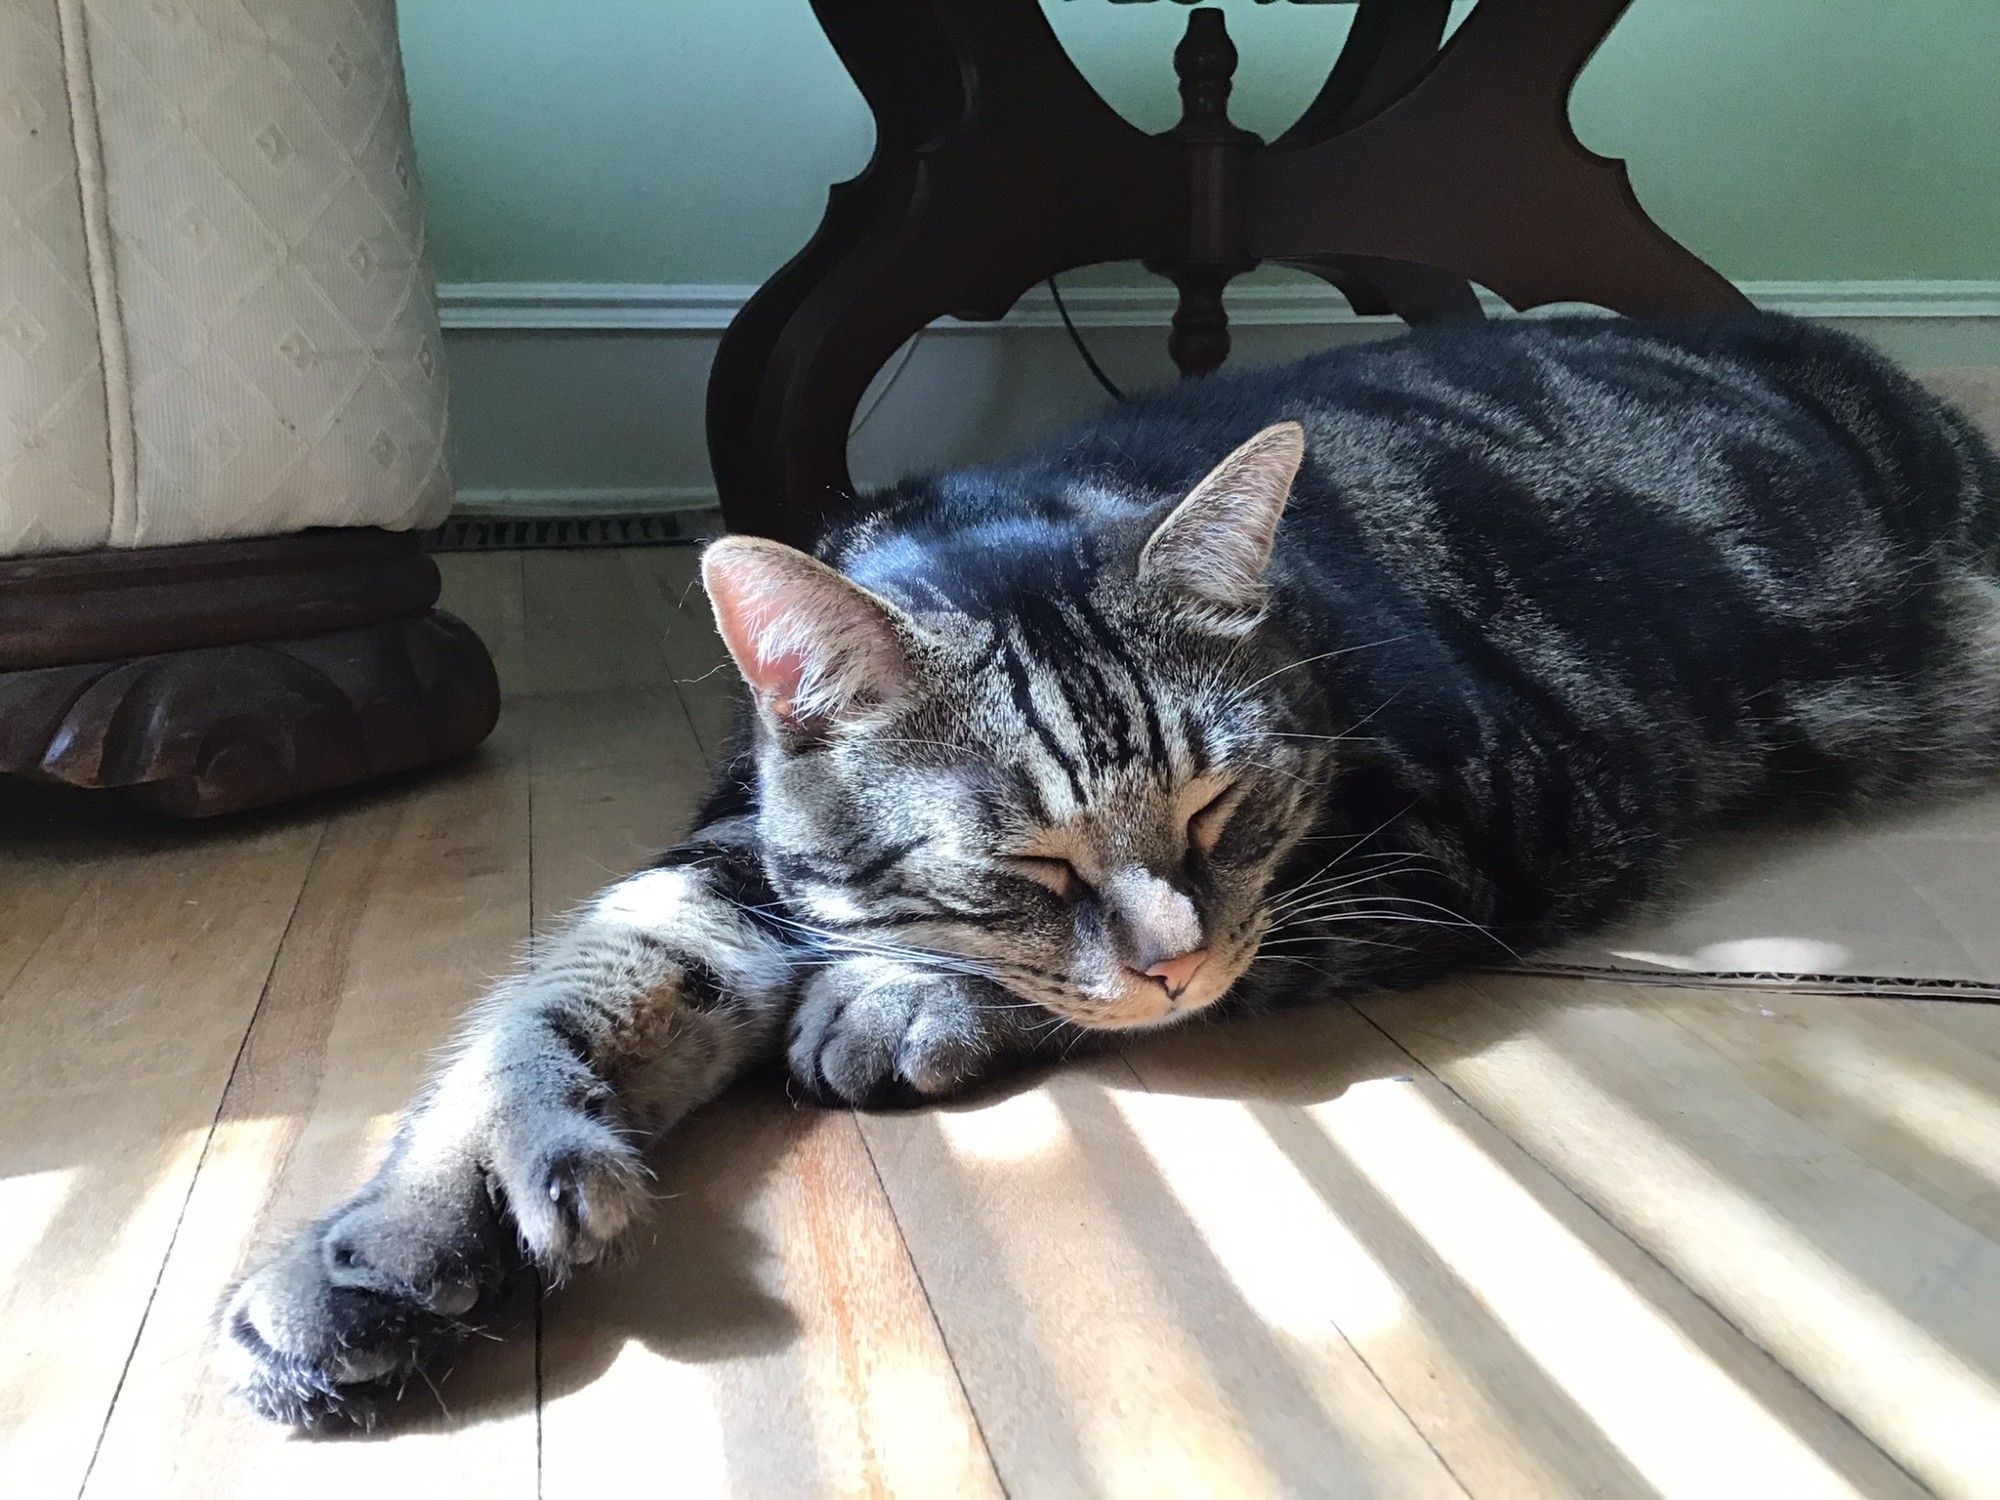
{"x":882,"y":391}
{"x":1082,"y":348}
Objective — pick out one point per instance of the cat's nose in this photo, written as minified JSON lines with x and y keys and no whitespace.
{"x":1178,"y":973}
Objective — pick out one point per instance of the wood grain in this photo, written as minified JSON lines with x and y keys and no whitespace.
{"x":1106,"y":1342}
{"x":1540,"y":1351}
{"x":668,"y":583}
{"x":117,"y":1037}
{"x":586,"y":627}
{"x":418,"y":896}
{"x":486,"y":590}
{"x":1884,"y":1304}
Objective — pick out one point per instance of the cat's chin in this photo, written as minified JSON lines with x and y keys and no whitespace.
{"x":1145,"y":1007}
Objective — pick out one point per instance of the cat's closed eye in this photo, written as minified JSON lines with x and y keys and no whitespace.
{"x":1205,"y":825}
{"x":1058,"y":874}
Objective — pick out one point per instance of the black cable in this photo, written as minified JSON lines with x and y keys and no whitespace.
{"x":1081,"y":347}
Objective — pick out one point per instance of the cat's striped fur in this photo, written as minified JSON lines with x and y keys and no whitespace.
{"x":1075,"y":743}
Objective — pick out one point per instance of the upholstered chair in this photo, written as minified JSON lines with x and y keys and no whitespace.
{"x":222,"y":407}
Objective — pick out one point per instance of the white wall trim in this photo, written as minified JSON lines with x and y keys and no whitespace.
{"x":686,"y":307}
{"x":588,"y":399}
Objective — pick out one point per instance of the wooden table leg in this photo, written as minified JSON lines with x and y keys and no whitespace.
{"x":900,"y":61}
{"x":1417,"y":171}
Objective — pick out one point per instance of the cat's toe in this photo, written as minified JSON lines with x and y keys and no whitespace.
{"x":308,"y":1347}
{"x":574,"y":1185}
{"x":940,"y":1053}
{"x":883,"y":1046}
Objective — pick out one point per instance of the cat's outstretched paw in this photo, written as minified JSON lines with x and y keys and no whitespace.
{"x":330,"y":1328}
{"x":865,"y":1037}
{"x":342,"y":1317}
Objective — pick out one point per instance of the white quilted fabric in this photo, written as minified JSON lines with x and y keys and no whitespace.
{"x":55,"y":470}
{"x":250,"y":225}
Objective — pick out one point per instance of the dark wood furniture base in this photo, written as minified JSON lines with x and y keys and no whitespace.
{"x":213,"y":678}
{"x":1423,"y":166}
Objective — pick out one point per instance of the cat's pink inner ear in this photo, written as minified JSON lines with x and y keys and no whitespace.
{"x":1216,"y":544}
{"x":810,"y":644}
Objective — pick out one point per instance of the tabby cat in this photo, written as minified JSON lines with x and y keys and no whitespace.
{"x":1272,"y":685}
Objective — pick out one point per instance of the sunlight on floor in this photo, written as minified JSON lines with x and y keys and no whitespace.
{"x":1759,"y":955}
{"x":1091,"y":1299}
{"x":1941,"y":1111}
{"x":1296,"y":1265}
{"x":29,"y":1203}
{"x":1631,"y":1373}
{"x":1019,"y":1128}
{"x":1896,"y":1380}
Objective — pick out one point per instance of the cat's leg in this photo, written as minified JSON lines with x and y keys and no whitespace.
{"x":879,"y":1031}
{"x":525,"y":1146}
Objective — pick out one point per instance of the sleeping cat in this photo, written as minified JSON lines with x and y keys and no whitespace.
{"x":1271,"y":686}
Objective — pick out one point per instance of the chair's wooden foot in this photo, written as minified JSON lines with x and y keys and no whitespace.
{"x":230,"y":716}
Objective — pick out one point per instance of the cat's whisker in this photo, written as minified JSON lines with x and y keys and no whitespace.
{"x":1307,"y":661}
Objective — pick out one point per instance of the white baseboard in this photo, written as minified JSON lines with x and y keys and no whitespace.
{"x":697,"y":306}
{"x":588,"y":398}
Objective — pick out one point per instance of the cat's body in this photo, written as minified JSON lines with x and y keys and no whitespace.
{"x":1087,"y":747}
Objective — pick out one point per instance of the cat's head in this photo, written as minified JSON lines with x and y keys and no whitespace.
{"x":1077,"y":780}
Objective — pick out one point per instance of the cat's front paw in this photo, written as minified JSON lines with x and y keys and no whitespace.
{"x":331,"y":1326}
{"x":507,"y":1165}
{"x":574,"y":1182}
{"x":865,"y":1034}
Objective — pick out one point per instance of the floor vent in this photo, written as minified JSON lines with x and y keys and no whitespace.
{"x":529,"y":533}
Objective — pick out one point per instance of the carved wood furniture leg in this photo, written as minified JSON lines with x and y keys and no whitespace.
{"x":1040,"y":177}
{"x":1390,"y":45}
{"x":897,"y":57}
{"x":227,"y":675}
{"x":1377,"y":288}
{"x":1505,"y":195}
{"x":1214,"y":152}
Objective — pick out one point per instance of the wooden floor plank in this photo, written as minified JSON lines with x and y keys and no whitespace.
{"x":586,"y":626}
{"x":117,"y":1036}
{"x":1973,"y":1024}
{"x":1884,"y":1304}
{"x":418,"y":896}
{"x":1102,"y":1338}
{"x":49,"y":839}
{"x":486,"y":590}
{"x":668,"y":582}
{"x":1539,"y":1350}
{"x":1904,"y":1096}
{"x":769,"y":1336}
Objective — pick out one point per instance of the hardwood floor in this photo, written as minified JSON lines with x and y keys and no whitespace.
{"x":1516,"y":1236}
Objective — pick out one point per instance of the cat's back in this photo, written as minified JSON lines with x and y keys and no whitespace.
{"x":1618,"y":443}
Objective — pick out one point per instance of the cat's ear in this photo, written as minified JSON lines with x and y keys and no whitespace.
{"x":812,"y":645}
{"x":1217,"y":543}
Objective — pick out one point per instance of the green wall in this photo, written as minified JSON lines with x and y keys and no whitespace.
{"x":693,"y":140}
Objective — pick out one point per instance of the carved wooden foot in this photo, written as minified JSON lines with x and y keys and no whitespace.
{"x":229,"y":697}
